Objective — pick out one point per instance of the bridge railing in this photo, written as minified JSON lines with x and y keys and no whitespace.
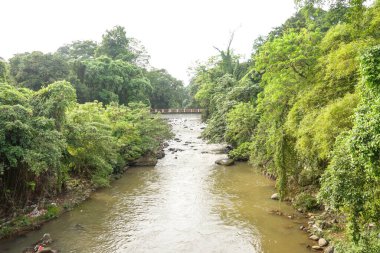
{"x":174,"y":111}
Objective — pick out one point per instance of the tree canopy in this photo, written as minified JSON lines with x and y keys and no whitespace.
{"x":114,"y":70}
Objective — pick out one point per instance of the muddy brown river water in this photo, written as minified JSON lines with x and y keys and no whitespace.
{"x":186,"y":203}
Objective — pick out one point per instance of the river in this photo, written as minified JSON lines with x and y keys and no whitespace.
{"x":186,"y":203}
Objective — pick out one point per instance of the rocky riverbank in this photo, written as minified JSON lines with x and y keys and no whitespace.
{"x":319,"y":227}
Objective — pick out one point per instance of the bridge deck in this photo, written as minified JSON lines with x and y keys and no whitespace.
{"x":174,"y":111}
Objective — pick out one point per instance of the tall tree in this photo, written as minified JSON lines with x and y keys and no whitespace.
{"x":35,"y":70}
{"x":167,"y":92}
{"x":116,"y":45}
{"x":78,"y":50}
{"x":110,"y":80}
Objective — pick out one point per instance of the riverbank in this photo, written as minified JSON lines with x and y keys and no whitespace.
{"x":77,"y":190}
{"x":34,"y":216}
{"x":321,"y":226}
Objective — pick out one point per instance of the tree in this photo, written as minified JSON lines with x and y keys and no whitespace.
{"x":53,"y":101}
{"x":78,"y":50}
{"x":30,"y":149}
{"x":116,"y":45}
{"x":110,"y":80}
{"x":167,"y":92}
{"x":35,"y":70}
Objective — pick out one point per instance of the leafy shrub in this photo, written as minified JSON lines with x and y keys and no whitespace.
{"x":52,"y":211}
{"x":241,"y":153}
{"x":369,"y":243}
{"x":306,"y":202}
{"x":241,"y":121}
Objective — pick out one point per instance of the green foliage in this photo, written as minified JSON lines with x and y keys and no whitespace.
{"x":46,"y":138}
{"x":53,"y":101}
{"x":91,"y":147}
{"x":334,"y":119}
{"x":30,"y":147}
{"x":287,"y":71}
{"x":115,"y":45}
{"x":112,"y":71}
{"x":212,"y":95}
{"x":35,"y":70}
{"x":110,"y":80}
{"x":293,"y":51}
{"x":167,"y":92}
{"x":104,"y":139}
{"x":241,"y":153}
{"x":78,"y":50}
{"x":137,"y":131}
{"x":10,"y":95}
{"x":241,"y":121}
{"x":305,"y":202}
{"x":52,"y":211}
{"x":3,"y":71}
{"x":369,"y":243}
{"x":351,"y":182}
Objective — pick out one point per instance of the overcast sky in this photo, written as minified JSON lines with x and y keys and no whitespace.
{"x":176,"y":33}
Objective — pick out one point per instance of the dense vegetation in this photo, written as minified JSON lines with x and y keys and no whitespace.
{"x":81,"y":113}
{"x":305,"y":108}
{"x":114,"y":70}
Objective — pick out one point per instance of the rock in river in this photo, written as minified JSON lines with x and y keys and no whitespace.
{"x":314,"y":238}
{"x":225,"y":162}
{"x":322,"y":242}
{"x":275,"y":196}
{"x":316,"y":247}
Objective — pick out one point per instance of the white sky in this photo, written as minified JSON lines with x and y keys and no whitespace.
{"x":176,"y":33}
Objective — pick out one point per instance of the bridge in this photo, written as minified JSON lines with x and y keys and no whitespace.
{"x":174,"y":111}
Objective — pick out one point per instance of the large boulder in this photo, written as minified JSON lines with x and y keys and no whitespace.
{"x":225,"y":162}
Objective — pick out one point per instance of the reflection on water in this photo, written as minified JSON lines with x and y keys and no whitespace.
{"x":185,"y":203}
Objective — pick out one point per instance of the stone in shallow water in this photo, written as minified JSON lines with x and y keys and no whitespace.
{"x":225,"y":162}
{"x":314,"y":238}
{"x":322,"y":242}
{"x":316,"y":247}
{"x":275,"y":196}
